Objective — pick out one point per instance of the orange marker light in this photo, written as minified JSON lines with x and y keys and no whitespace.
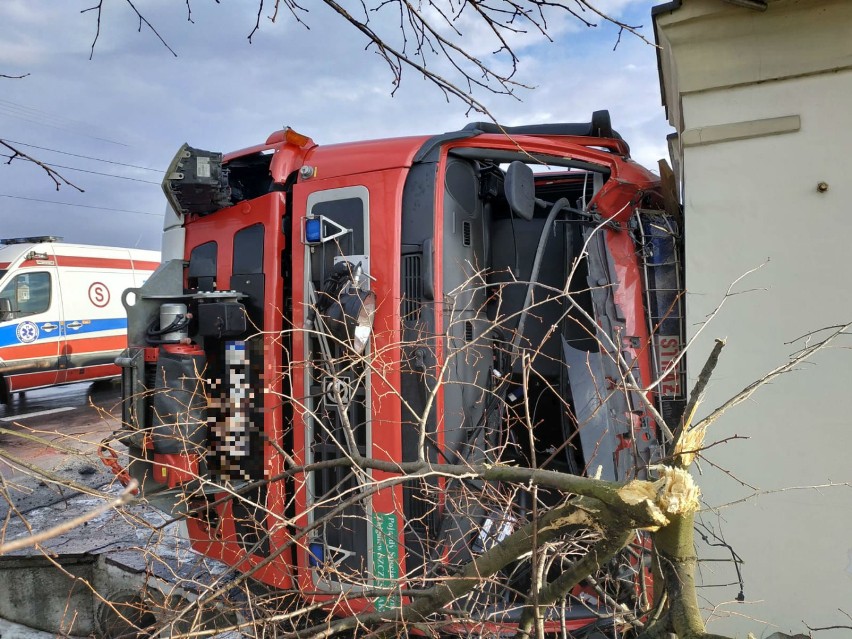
{"x":294,"y":138}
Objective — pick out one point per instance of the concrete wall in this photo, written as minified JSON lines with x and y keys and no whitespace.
{"x":763,"y":105}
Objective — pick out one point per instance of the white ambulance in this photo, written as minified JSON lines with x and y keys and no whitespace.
{"x":61,"y":317}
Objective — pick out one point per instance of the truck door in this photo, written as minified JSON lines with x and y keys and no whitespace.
{"x":339,"y":230}
{"x":31,"y":326}
{"x":350,"y":253}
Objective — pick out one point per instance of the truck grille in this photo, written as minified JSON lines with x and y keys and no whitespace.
{"x":412,"y":287}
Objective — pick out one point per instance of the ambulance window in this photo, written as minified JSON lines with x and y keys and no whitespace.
{"x":248,"y":250}
{"x":202,"y":267}
{"x":27,"y":294}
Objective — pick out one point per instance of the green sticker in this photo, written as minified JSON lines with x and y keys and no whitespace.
{"x":385,"y":557}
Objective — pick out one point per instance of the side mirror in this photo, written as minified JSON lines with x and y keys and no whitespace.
{"x":350,"y":317}
{"x":347,"y":310}
{"x":5,"y":309}
{"x":519,"y":189}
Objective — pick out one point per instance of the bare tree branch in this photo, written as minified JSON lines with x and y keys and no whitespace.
{"x":98,"y":9}
{"x":796,"y":359}
{"x":835,"y":627}
{"x":430,"y":35}
{"x":57,"y":178}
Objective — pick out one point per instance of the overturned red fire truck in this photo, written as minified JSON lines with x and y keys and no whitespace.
{"x":490,"y":295}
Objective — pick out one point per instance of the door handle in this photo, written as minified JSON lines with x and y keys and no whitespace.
{"x":74,"y":325}
{"x":49,"y":326}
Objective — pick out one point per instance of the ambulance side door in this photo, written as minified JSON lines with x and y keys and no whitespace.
{"x":94,"y":321}
{"x":31,"y":326}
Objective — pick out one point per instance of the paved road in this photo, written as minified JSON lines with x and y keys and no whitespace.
{"x":75,"y":417}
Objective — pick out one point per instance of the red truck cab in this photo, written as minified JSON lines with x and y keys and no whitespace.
{"x":490,"y":295}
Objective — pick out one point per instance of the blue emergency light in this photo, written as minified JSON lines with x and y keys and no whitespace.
{"x":321,"y":229}
{"x":316,"y":554}
{"x":313,"y":231}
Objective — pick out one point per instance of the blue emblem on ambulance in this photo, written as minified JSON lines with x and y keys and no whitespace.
{"x":27,"y":332}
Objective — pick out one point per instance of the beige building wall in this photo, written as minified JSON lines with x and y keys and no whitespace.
{"x":763,"y":105}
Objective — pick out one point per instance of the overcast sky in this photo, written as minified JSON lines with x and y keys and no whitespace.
{"x":134,"y":103}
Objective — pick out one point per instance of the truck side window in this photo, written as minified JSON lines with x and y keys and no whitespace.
{"x":248,"y":250}
{"x":202,"y":267}
{"x":350,"y":213}
{"x":247,"y":274}
{"x":27,"y":294}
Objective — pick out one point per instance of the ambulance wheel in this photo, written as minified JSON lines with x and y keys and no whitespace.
{"x":5,"y":396}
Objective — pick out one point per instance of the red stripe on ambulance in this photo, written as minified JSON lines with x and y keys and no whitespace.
{"x":40,"y":379}
{"x":92,"y":262}
{"x":95,"y":344}
{"x":73,"y":346}
{"x":29,"y":351}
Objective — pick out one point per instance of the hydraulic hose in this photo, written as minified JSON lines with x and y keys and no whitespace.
{"x":154,"y":331}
